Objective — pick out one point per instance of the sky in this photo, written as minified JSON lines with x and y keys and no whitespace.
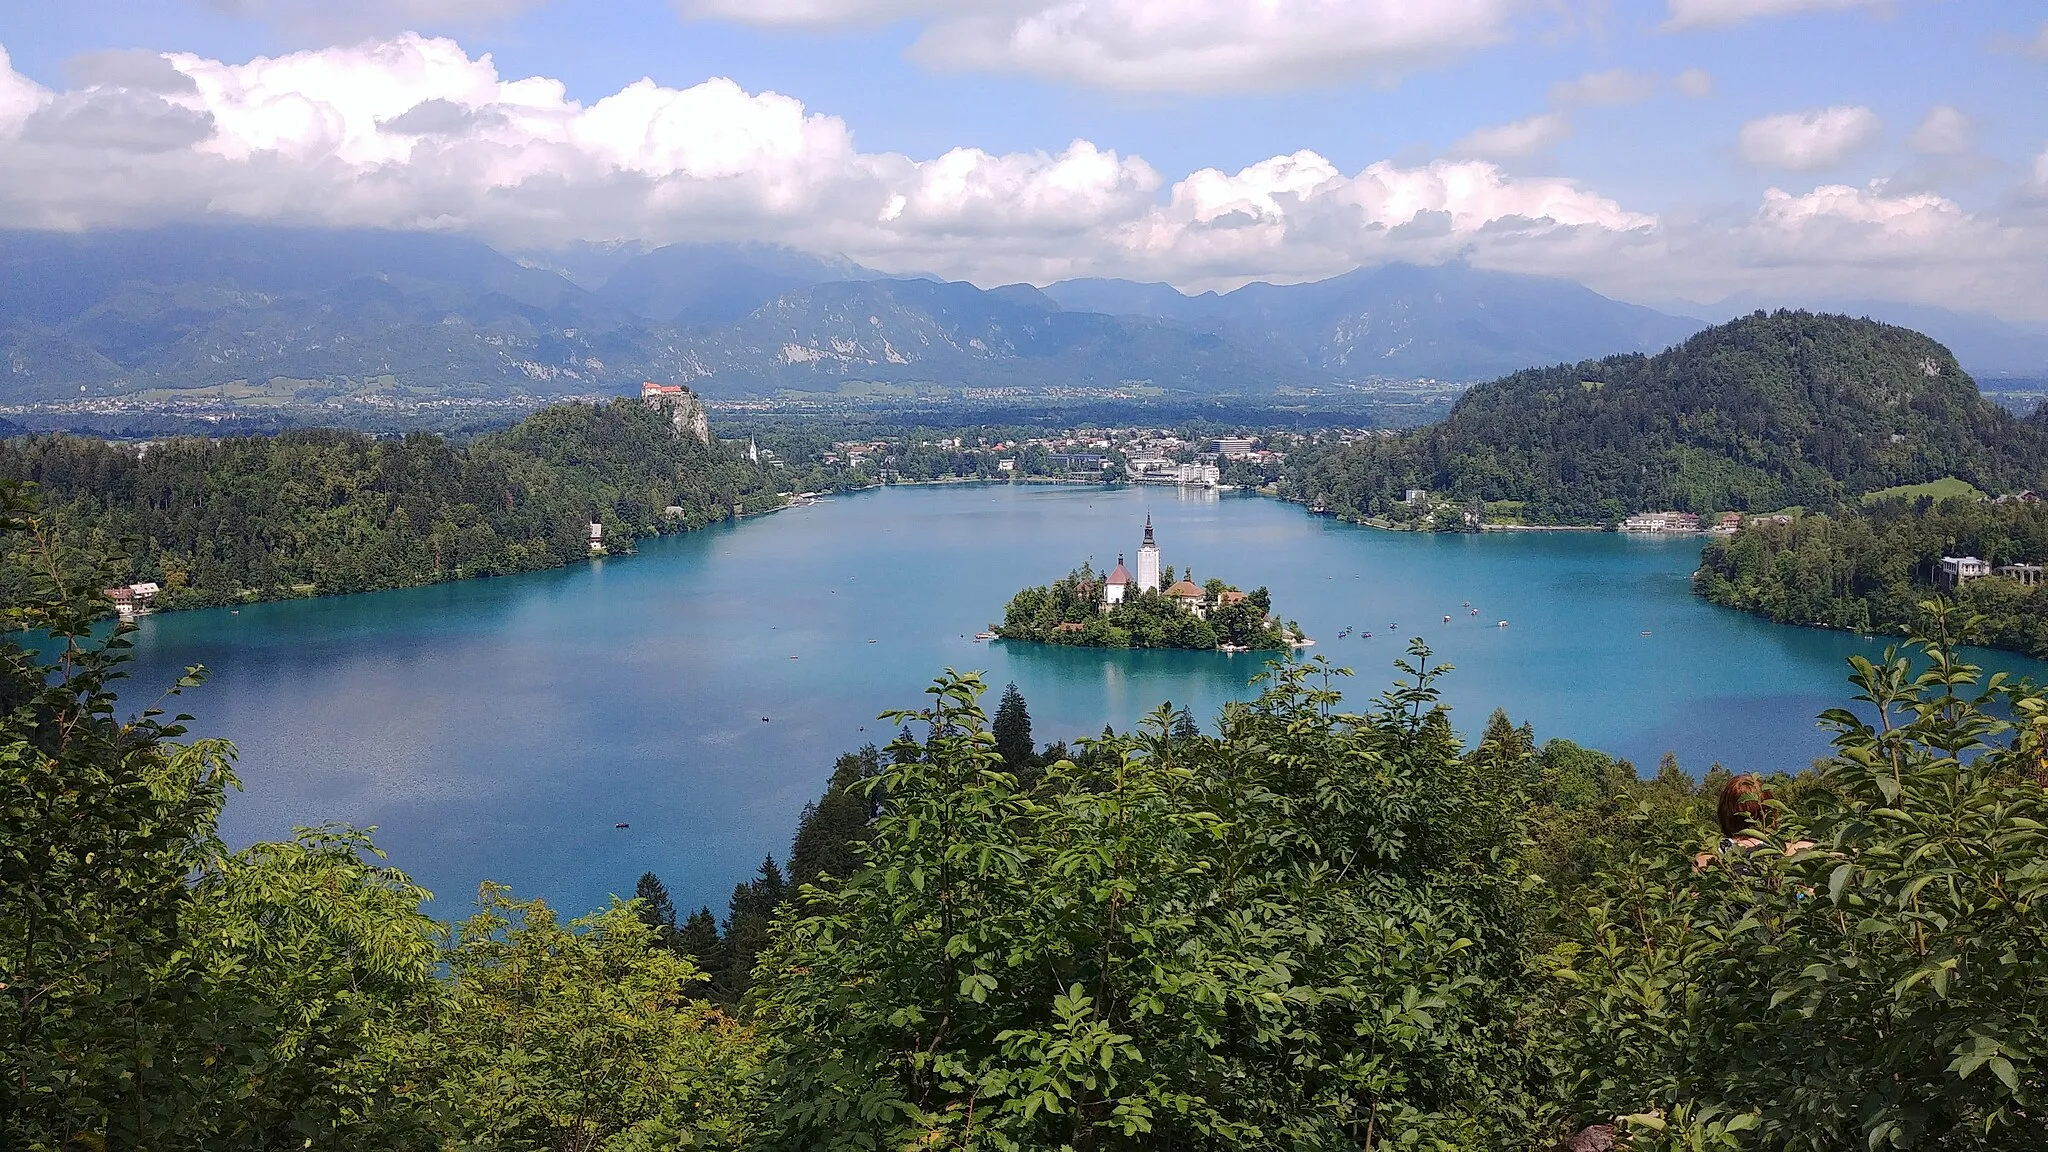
{"x":1683,"y":153}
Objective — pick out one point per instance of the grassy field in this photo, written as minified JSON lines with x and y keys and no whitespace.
{"x":1946,"y":488}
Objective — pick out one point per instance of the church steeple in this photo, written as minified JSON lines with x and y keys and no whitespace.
{"x":1148,"y":560}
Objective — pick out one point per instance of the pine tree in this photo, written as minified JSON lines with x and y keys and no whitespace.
{"x":748,"y":916}
{"x":1013,"y":730}
{"x":657,"y":909}
{"x":829,"y":830}
{"x":698,"y":940}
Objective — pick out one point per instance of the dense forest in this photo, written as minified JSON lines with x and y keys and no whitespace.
{"x":321,"y":511}
{"x":1789,"y":409}
{"x":1866,"y":569}
{"x":1069,"y":611}
{"x":1302,"y":923}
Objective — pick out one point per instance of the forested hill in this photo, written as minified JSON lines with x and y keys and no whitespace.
{"x":1765,"y":412}
{"x":1869,"y":569}
{"x":323,"y":511}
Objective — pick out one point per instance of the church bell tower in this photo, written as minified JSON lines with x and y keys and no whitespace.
{"x":1148,"y":560}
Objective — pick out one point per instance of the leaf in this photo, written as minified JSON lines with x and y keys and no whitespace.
{"x":1838,"y":880}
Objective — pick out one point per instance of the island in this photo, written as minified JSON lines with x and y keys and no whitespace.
{"x":1152,"y":610}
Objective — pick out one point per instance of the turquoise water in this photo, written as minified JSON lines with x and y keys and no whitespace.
{"x":499,"y":728}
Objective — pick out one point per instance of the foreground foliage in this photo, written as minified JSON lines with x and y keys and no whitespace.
{"x":1872,"y":975}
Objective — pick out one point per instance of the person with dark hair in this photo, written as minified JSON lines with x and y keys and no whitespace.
{"x":1746,"y":812}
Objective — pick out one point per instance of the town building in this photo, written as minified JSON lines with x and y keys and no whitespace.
{"x":1661,"y":522}
{"x":1415,"y":496}
{"x":1955,"y":571}
{"x":133,"y":600}
{"x":2025,"y":575}
{"x":1232,"y":447}
{"x":596,"y":537}
{"x":1076,"y":461}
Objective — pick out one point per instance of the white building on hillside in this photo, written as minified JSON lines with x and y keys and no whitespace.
{"x":1955,"y":571}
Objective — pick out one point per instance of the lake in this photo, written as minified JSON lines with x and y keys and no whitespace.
{"x":700,"y":690}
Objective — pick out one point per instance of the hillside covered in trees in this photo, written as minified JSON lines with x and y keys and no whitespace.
{"x":1766,"y":412}
{"x":322,"y":511}
{"x":1867,"y":569}
{"x":1306,"y":924}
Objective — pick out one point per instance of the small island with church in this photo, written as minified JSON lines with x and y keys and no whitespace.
{"x":1151,"y":610}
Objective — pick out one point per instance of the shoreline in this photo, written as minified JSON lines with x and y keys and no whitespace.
{"x":1221,"y":649}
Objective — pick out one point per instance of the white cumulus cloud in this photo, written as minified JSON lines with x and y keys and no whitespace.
{"x":1689,"y":14}
{"x":1520,"y":138}
{"x":1164,"y":45}
{"x":1808,"y":141}
{"x":1615,"y":86}
{"x":1946,"y":131}
{"x":414,"y":132}
{"x":20,"y":96}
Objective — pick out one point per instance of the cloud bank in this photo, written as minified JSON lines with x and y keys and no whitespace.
{"x":413,"y":132}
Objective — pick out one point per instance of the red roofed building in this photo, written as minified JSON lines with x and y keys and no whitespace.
{"x":1119,"y":582}
{"x":1190,"y":596}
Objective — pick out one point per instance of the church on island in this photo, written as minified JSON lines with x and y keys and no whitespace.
{"x":1185,"y":591}
{"x":1152,"y":609}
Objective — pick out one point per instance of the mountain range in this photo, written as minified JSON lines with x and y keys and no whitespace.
{"x":159,"y":311}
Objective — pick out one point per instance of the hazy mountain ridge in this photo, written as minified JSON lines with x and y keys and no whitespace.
{"x":902,"y":330}
{"x":190,"y":307}
{"x":194,"y":307}
{"x":1402,"y":320}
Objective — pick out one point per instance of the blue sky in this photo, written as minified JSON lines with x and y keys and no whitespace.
{"x":1814,"y":149}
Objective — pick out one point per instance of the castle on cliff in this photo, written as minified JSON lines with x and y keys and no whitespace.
{"x":685,"y":411}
